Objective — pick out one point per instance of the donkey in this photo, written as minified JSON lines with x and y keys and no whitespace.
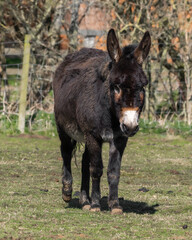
{"x":98,"y":98}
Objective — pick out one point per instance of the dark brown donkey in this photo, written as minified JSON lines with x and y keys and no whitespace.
{"x":98,"y":98}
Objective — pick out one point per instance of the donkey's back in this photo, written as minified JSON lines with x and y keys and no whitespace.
{"x":77,"y":64}
{"x":76,"y":87}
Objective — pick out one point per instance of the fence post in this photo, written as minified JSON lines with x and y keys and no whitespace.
{"x":24,"y":82}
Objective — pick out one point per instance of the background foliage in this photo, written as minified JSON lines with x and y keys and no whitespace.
{"x":62,"y":26}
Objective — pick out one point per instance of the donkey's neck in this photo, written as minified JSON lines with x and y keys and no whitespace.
{"x":105,"y":89}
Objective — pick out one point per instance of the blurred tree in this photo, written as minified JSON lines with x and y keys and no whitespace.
{"x":170,"y":24}
{"x":43,"y":20}
{"x":35,"y":18}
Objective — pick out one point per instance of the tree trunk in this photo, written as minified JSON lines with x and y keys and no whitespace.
{"x":188,"y":82}
{"x":73,"y":30}
{"x":3,"y":76}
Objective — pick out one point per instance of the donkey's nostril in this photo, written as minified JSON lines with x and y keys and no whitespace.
{"x":125,"y":128}
{"x":136,"y":129}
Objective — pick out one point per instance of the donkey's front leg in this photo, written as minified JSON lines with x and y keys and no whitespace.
{"x":117,"y":147}
{"x":96,"y":171}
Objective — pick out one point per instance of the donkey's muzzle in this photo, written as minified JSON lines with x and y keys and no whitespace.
{"x":129,"y":131}
{"x":129,"y":122}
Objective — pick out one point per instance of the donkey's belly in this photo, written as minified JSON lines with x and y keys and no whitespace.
{"x":74,"y":132}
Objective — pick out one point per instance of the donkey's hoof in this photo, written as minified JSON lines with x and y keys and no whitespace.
{"x":95,"y":209}
{"x":66,"y":198}
{"x":86,"y":207}
{"x":116,"y":211}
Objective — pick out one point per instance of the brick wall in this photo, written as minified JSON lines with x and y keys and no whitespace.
{"x":92,"y":29}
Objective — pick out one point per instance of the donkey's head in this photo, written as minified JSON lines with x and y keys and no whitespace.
{"x":127,"y":81}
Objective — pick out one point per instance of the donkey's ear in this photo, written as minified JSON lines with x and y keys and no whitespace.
{"x":143,"y":48}
{"x":113,"y":46}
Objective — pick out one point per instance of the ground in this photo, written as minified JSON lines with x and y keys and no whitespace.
{"x":155,"y":191}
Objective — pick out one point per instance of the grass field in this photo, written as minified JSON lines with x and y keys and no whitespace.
{"x":155,"y":191}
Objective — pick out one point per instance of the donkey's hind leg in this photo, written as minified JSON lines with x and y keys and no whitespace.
{"x":85,"y":181}
{"x":67,"y":146}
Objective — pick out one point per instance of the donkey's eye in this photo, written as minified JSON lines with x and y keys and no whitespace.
{"x":141,"y":95}
{"x":117,"y":89}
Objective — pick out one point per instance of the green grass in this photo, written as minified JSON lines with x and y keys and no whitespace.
{"x":31,"y":206}
{"x":174,"y":127}
{"x":44,"y":124}
{"x":13,"y":61}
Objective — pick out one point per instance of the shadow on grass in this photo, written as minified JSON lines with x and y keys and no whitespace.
{"x":128,"y":206}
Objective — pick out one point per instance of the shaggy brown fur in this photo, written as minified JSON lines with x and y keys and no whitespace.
{"x":99,"y":97}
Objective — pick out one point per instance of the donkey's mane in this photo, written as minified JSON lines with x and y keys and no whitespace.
{"x":128,"y":50}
